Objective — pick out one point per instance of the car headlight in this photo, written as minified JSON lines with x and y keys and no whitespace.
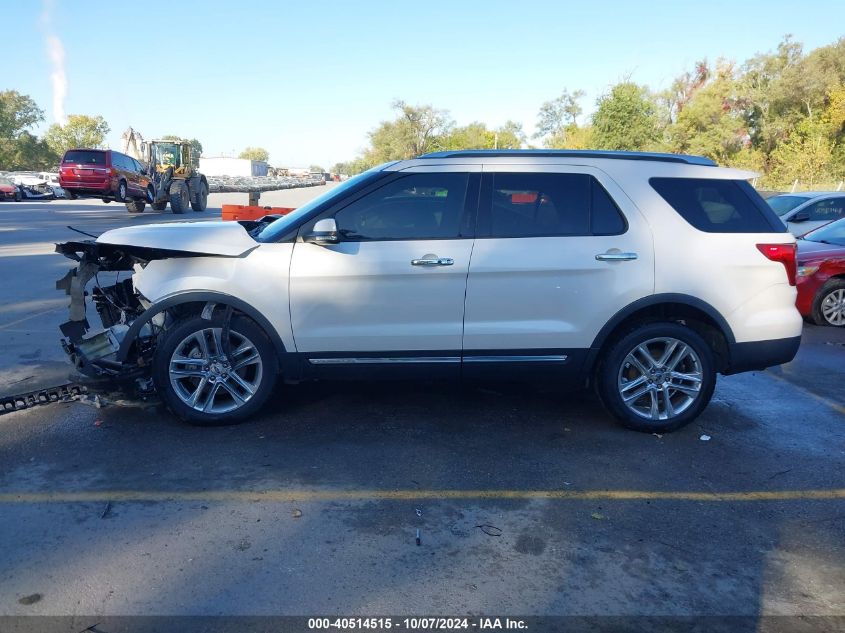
{"x":806,"y":271}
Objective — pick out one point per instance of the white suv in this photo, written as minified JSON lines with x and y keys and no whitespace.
{"x":643,"y":275}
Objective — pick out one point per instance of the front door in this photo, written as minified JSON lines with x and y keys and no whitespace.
{"x":391,"y":293}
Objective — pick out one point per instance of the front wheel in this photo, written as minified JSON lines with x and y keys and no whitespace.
{"x":179,"y":197}
{"x":657,"y":378}
{"x":210,"y":378}
{"x":829,"y":306}
{"x":200,"y":201}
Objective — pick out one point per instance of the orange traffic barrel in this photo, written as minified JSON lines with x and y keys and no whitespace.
{"x":244,"y":212}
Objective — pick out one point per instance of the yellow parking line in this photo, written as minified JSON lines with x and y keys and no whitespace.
{"x":301,"y":495}
{"x":825,"y":401}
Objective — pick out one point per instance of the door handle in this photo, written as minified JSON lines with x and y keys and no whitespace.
{"x":616,"y":257}
{"x":432,"y":261}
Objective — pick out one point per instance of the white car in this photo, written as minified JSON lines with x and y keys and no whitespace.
{"x":806,"y":211}
{"x":643,"y":275}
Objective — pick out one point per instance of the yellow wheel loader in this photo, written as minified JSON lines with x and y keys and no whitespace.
{"x":174,"y":177}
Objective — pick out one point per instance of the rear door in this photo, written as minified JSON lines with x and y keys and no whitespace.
{"x":558,"y":252}
{"x":391,"y":293}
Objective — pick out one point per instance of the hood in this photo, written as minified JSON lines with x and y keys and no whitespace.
{"x":228,"y":239}
{"x":7,"y":188}
{"x":808,"y":250}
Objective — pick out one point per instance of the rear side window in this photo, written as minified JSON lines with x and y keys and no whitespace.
{"x":718,"y":206}
{"x":549,"y":204}
{"x":84,"y":157}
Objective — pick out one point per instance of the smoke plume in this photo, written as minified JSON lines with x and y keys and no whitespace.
{"x":56,"y":54}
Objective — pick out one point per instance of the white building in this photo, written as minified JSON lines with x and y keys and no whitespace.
{"x":225,"y":166}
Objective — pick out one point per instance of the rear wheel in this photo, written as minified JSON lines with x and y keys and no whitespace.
{"x":657,"y":378}
{"x":136,"y":206}
{"x":159,"y":206}
{"x":121,"y":191}
{"x":829,"y":306}
{"x":179,"y":197}
{"x":200,"y":201}
{"x":208,"y":377}
{"x":18,"y":196}
{"x":106,"y":200}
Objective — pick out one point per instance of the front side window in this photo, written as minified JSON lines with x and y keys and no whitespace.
{"x":718,"y":206}
{"x":550,"y":204}
{"x":412,"y":207}
{"x":827,"y":210}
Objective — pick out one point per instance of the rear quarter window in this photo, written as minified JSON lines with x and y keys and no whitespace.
{"x":84,"y":157}
{"x":719,"y":206}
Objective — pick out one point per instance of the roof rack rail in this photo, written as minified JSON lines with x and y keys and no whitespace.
{"x":575,"y":153}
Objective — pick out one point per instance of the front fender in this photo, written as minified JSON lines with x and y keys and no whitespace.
{"x":206,"y":297}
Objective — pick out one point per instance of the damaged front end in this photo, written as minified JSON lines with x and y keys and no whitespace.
{"x":122,"y":344}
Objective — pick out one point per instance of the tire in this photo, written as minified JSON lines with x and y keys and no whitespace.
{"x":106,"y":201}
{"x":829,"y":305}
{"x":179,"y":197}
{"x":135,"y":206}
{"x":151,"y":194}
{"x":159,"y":206}
{"x":200,"y":201}
{"x":120,"y":195}
{"x":18,"y":196}
{"x":623,"y":365}
{"x":223,"y":407}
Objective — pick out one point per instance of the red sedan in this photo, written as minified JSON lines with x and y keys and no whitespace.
{"x":821,"y":275}
{"x":9,"y":190}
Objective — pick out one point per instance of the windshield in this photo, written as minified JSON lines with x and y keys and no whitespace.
{"x":833,"y":233}
{"x":784,"y":204}
{"x":166,"y":154}
{"x":281,"y":226}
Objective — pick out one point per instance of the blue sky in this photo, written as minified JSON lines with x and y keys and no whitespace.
{"x":307,"y":80}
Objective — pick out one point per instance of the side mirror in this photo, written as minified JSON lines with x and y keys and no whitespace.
{"x":324,"y":232}
{"x":144,"y":171}
{"x":801,"y":216}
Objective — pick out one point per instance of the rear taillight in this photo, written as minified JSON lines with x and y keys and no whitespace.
{"x":783,"y":253}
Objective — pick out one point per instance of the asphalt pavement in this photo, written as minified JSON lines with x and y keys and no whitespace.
{"x":527,"y":501}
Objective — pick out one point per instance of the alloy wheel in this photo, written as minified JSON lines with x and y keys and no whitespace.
{"x":660,"y":378}
{"x":207,"y":379}
{"x":833,"y":307}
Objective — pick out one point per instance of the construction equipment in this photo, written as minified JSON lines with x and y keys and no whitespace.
{"x":175,"y":178}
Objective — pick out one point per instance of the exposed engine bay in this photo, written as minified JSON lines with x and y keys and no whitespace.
{"x":117,"y":339}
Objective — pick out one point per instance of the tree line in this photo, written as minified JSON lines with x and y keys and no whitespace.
{"x":780,"y":113}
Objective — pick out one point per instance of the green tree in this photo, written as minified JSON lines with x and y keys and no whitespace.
{"x":626,"y":119}
{"x":316,"y":168}
{"x":559,"y":113}
{"x":19,"y":148}
{"x":80,"y":130}
{"x":571,"y":136}
{"x":17,"y":113}
{"x":805,"y":155}
{"x":255,"y":153}
{"x":708,"y":123}
{"x":416,"y":130}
